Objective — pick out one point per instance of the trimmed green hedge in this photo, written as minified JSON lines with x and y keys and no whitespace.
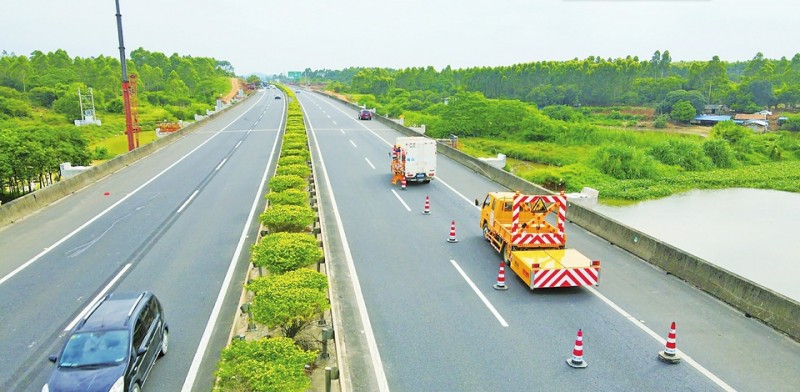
{"x":293,"y":197}
{"x":281,"y":183}
{"x":287,"y":218}
{"x":264,"y":365}
{"x":301,"y":170}
{"x":282,"y":252}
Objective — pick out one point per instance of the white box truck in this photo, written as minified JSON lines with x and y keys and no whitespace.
{"x":413,"y":159}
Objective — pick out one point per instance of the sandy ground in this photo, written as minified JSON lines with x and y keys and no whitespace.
{"x":236,"y":84}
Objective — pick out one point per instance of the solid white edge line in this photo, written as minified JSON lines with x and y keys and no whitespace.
{"x":120,"y":201}
{"x":189,"y":200}
{"x":194,"y":368}
{"x":97,"y":298}
{"x":401,"y":200}
{"x":369,"y":163}
{"x":480,"y":295}
{"x":661,"y":340}
{"x":377,"y":364}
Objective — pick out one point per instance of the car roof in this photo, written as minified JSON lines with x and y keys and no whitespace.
{"x":113,"y":311}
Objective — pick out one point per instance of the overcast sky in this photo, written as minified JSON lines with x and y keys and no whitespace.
{"x":269,"y":36}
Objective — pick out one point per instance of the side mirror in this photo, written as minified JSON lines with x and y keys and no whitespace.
{"x":52,"y":358}
{"x":476,"y":202}
{"x":141,"y":351}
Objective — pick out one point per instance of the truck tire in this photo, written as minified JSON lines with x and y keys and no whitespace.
{"x":504,"y":254}
{"x":485,"y":231}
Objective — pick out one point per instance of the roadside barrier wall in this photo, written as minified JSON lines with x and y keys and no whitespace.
{"x":754,"y":300}
{"x":19,"y":208}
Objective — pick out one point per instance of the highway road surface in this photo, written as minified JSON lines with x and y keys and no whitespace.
{"x":417,"y":313}
{"x":425,"y":312}
{"x":177,"y":223}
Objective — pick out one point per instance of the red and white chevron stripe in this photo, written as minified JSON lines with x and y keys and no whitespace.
{"x":536,"y":238}
{"x":566,"y":277}
{"x":544,"y":238}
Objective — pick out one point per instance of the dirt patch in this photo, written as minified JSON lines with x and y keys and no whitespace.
{"x":236,"y":84}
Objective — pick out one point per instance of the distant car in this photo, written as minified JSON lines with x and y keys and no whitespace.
{"x":365,"y":114}
{"x":297,"y":91}
{"x":112,"y":348}
{"x":277,"y":97}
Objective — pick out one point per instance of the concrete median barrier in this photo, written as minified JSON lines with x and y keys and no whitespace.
{"x":774,"y":309}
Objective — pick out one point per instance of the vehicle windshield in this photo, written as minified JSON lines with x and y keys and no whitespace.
{"x":98,"y":348}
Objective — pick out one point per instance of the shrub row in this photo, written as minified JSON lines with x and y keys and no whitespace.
{"x":291,"y":295}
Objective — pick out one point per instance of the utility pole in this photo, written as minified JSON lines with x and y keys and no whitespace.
{"x":126,"y":86}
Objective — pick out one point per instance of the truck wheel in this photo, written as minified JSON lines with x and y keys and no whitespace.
{"x":504,"y":254}
{"x":485,"y":231}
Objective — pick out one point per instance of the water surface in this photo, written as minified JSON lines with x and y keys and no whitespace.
{"x":754,"y":233}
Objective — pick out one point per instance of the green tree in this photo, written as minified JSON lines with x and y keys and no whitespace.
{"x":683,"y":111}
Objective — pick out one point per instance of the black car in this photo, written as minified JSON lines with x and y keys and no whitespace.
{"x":277,"y":97}
{"x":112,"y":348}
{"x":365,"y":114}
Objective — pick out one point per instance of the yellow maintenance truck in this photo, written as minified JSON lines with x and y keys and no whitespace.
{"x":528,"y":231}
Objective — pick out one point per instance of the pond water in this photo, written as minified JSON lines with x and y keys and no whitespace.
{"x":752,"y":232}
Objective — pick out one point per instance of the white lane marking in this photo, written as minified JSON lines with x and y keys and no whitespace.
{"x":221,"y":163}
{"x":334,"y":123}
{"x":480,"y":295}
{"x":661,"y":340}
{"x":237,"y":145}
{"x":401,"y":200}
{"x":369,"y":163}
{"x":353,"y":143}
{"x":369,"y":335}
{"x":97,"y":298}
{"x":341,"y":130}
{"x":126,"y":197}
{"x":189,"y":200}
{"x":191,"y":375}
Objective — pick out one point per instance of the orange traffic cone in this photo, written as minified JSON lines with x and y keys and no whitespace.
{"x":501,"y":278}
{"x":577,"y":353}
{"x":427,"y":209}
{"x":670,"y":353}
{"x":452,"y":237}
{"x":403,"y":183}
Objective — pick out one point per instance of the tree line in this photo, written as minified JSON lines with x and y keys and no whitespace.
{"x":744,"y":86}
{"x":39,"y":102}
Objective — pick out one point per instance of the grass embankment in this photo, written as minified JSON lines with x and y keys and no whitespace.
{"x":118,"y":144}
{"x":571,"y":167}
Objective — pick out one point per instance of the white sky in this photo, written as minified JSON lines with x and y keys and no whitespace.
{"x":269,"y":36}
